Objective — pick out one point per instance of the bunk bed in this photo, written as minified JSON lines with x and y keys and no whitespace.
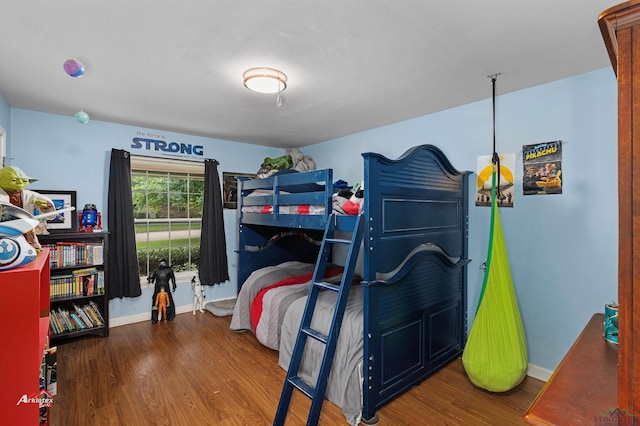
{"x":409,"y":309}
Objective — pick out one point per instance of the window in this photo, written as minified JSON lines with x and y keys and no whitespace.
{"x":167,"y":209}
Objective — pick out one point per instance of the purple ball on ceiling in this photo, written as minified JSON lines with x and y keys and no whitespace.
{"x":73,"y":67}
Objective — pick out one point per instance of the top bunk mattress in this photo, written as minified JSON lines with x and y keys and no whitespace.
{"x":292,"y":200}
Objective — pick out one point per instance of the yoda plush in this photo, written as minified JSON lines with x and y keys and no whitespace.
{"x":12,"y":190}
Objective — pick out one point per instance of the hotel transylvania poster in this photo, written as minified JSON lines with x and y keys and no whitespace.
{"x":506,"y":188}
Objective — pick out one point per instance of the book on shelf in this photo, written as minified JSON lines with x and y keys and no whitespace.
{"x":100,"y":282}
{"x":85,"y":322}
{"x":80,"y":282}
{"x":77,"y":321}
{"x":84,"y":315}
{"x":65,"y":319}
{"x":60,"y":322}
{"x":88,"y":285}
{"x":85,"y":271}
{"x":54,"y":324}
{"x":48,"y":377}
{"x":96,"y":311}
{"x":77,"y":318}
{"x":51,"y":371}
{"x":95,"y":254}
{"x":68,"y":254}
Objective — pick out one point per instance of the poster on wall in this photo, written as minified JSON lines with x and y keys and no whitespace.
{"x":230,"y":188}
{"x":66,"y":221}
{"x":485,"y":171}
{"x":542,"y":168}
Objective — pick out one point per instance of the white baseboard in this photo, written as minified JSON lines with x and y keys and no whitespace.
{"x":539,"y":373}
{"x":146,"y":316}
{"x":532,"y":371}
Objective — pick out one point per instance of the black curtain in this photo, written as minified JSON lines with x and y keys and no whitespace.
{"x":213,"y":267}
{"x":124,"y":277}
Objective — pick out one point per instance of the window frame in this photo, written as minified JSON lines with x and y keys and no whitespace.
{"x":170,"y":166}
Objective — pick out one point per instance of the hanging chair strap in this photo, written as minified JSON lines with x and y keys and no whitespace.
{"x":495,"y":158}
{"x":488,"y":262}
{"x":495,"y":188}
{"x":495,"y":355}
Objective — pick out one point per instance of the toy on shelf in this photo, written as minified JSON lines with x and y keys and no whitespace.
{"x":13,"y":182}
{"x":15,"y":224}
{"x":15,"y":251}
{"x":90,"y":219}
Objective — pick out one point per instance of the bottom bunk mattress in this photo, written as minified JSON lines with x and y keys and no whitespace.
{"x":344,"y":387}
{"x":267,"y":294}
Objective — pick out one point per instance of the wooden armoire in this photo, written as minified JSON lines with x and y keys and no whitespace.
{"x":620,"y":26}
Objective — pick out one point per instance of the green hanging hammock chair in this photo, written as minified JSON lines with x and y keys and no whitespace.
{"x":495,"y":356}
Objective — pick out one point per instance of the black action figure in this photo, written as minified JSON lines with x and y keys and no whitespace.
{"x":162,"y":276}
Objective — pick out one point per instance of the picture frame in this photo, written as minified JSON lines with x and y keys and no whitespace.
{"x":64,"y":222}
{"x":230,"y":188}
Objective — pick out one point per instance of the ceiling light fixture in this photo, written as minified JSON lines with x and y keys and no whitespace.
{"x":264,"y":80}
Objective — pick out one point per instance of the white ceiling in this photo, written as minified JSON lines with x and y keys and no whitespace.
{"x":352,"y":65}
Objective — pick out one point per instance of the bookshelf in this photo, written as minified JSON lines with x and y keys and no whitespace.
{"x":24,"y":323}
{"x":78,"y":285}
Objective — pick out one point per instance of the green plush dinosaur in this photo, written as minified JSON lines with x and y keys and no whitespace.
{"x":278,"y":163}
{"x":13,"y":182}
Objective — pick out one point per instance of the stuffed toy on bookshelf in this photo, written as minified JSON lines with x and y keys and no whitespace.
{"x":13,"y":182}
{"x":15,"y":251}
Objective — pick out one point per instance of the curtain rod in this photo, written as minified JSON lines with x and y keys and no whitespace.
{"x":169,"y":157}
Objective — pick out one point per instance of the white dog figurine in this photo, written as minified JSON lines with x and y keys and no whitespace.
{"x":198,"y":294}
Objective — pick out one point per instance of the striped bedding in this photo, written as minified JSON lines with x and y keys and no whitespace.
{"x":271,"y":303}
{"x":268,"y":293}
{"x":314,"y":209}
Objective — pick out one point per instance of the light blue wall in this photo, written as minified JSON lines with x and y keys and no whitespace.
{"x":5,"y":119}
{"x":563,"y":248}
{"x":66,"y":155}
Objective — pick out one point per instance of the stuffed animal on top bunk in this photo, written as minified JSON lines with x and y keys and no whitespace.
{"x":293,"y":159}
{"x":13,"y":182}
{"x":349,"y":201}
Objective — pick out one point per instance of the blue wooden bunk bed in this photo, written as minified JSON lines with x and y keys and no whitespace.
{"x":414,"y":255}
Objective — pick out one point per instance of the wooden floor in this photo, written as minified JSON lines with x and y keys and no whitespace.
{"x":195,"y":371}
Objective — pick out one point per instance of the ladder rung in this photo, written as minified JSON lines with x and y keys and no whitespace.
{"x":327,"y":286}
{"x":354,"y":225}
{"x":302,"y":386}
{"x":338,"y":241}
{"x":315,"y":334}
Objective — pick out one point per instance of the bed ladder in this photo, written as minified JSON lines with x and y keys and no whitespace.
{"x":316,"y":393}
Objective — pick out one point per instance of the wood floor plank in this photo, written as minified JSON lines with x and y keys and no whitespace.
{"x":196,"y":371}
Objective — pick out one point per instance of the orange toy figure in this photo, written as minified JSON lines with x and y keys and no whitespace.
{"x":163,"y":276}
{"x":162,"y":301}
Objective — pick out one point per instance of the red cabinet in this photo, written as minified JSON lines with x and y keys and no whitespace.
{"x":24,"y":326}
